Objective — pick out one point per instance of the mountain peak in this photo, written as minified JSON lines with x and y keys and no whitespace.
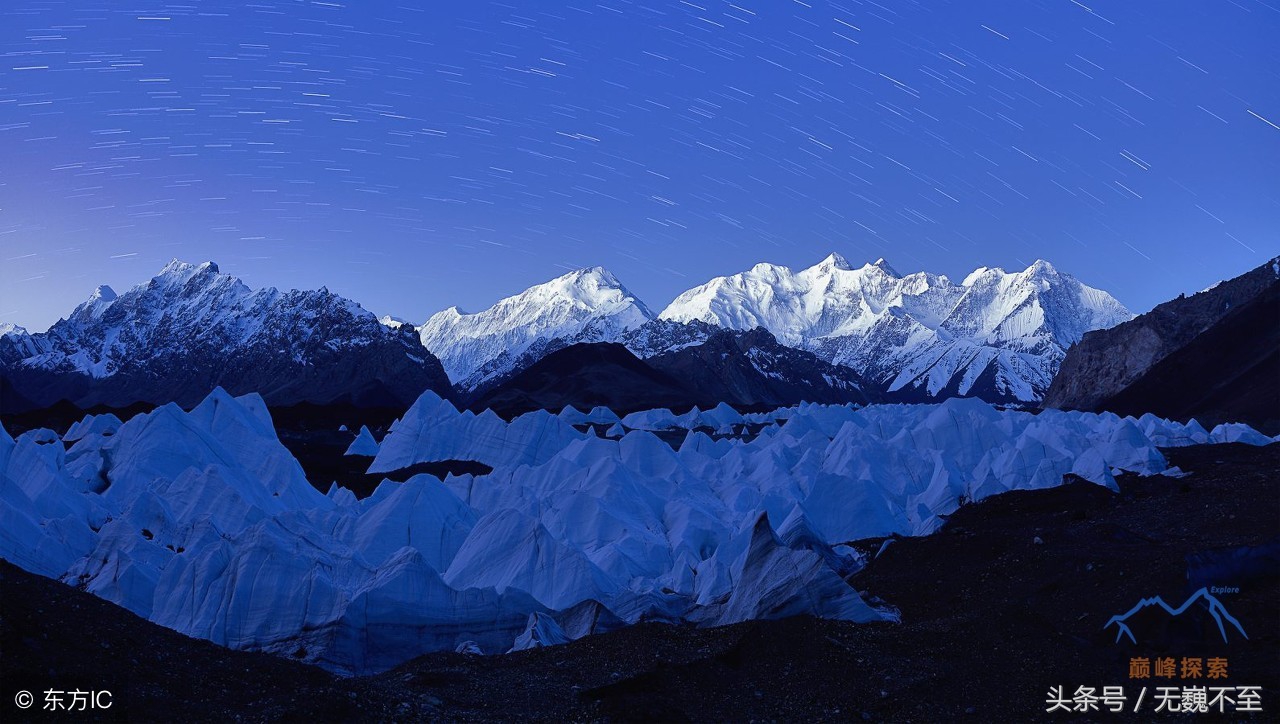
{"x":883,"y":266}
{"x":180,"y":272}
{"x":765,"y":267}
{"x":587,"y":304}
{"x":176,"y":266}
{"x":1040,"y":267}
{"x":96,"y":304}
{"x":592,"y":287}
{"x":393,"y":322}
{"x":595,"y":274}
{"x":920,"y":331}
{"x":983,"y":271}
{"x":834,"y":260}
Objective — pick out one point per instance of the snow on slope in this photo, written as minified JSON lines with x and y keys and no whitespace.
{"x":203,"y":522}
{"x":997,"y":330}
{"x":587,"y":305}
{"x":17,"y":344}
{"x":185,"y":304}
{"x":82,"y":342}
{"x":8,"y":329}
{"x":996,"y":335}
{"x":393,"y":322}
{"x":191,"y":328}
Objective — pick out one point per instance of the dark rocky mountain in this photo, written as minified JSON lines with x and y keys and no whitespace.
{"x":647,"y":340}
{"x":1214,"y":356}
{"x":192,"y":328}
{"x":663,"y":335}
{"x":752,"y":370}
{"x":586,"y":375}
{"x":10,"y":399}
{"x":748,"y":370}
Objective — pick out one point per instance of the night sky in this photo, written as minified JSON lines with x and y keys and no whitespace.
{"x":417,"y":155}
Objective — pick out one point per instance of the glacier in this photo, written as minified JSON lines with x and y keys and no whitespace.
{"x":364,"y":445}
{"x":203,"y":522}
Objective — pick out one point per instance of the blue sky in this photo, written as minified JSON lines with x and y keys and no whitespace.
{"x":418,"y":155}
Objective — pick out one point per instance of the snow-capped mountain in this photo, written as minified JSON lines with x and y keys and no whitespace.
{"x":16,"y":343}
{"x":997,"y":335}
{"x":192,"y":328}
{"x":393,"y":322}
{"x":587,"y":305}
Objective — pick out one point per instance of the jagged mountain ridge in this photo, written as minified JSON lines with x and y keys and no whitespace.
{"x":192,"y":328}
{"x":917,"y":337}
{"x":996,"y":335}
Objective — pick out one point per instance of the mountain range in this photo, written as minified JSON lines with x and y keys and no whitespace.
{"x":192,"y":328}
{"x":866,"y":332}
{"x":995,"y":335}
{"x":203,"y":521}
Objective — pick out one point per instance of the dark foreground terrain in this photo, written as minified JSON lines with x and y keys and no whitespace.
{"x":1009,"y":599}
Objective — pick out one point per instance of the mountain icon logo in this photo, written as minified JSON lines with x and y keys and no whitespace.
{"x":1218,"y":611}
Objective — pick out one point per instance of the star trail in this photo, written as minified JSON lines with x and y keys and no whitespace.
{"x":413,"y":156}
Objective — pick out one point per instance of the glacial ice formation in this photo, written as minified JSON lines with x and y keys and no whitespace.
{"x":203,"y":522}
{"x":364,"y":445}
